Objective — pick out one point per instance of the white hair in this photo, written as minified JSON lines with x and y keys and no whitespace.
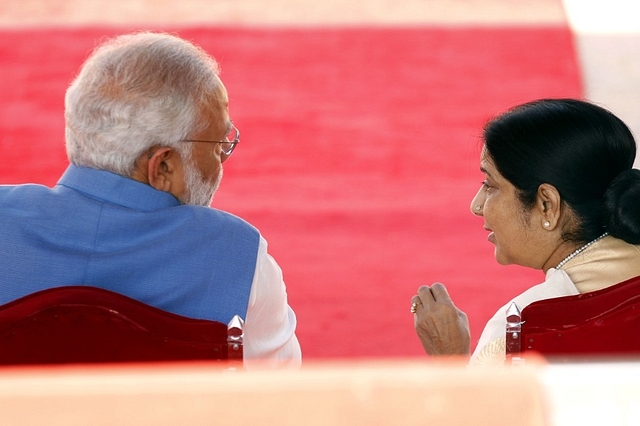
{"x":134,"y":92}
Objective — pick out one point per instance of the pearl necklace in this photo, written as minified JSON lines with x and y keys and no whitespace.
{"x":580,"y":250}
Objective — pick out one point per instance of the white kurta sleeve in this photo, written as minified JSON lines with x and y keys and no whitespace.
{"x":269,"y":333}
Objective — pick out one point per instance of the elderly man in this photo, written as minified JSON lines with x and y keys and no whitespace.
{"x":147,"y":131}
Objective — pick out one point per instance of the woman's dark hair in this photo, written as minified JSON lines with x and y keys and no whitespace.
{"x":581,"y":149}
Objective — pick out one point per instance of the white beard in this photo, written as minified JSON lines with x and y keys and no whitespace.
{"x":198,"y":191}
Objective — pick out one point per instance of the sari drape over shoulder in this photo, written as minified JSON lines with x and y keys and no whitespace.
{"x":605,"y":263}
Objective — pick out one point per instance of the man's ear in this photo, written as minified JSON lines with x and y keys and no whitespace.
{"x":549,"y":205}
{"x":162,"y":169}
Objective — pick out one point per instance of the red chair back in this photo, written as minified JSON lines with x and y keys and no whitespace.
{"x":604,"y":323}
{"x":82,"y":324}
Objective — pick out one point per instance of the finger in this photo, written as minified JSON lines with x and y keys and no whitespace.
{"x":424,"y":292}
{"x":439,"y":293}
{"x":415,"y":304}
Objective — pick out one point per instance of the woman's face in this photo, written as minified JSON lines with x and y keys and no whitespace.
{"x":510,"y":225}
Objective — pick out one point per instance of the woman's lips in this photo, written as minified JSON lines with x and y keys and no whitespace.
{"x":491,"y":237}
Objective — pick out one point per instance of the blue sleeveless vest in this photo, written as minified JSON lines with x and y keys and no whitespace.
{"x":101,"y":229}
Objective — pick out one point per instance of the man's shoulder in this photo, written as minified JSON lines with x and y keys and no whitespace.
{"x":208,"y":216}
{"x":23,"y":190}
{"x":23,"y":187}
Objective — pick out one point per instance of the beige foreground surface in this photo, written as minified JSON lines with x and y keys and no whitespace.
{"x":278,"y":12}
{"x":354,"y":394}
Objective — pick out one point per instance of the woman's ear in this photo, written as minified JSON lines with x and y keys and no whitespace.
{"x":549,"y":205}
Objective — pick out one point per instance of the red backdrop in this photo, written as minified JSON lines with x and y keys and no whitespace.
{"x":358,"y":159}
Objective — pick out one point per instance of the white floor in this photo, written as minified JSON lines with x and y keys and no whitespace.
{"x":608,"y":43}
{"x":593,"y":394}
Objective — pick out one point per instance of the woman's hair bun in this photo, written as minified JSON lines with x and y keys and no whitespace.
{"x":621,"y":205}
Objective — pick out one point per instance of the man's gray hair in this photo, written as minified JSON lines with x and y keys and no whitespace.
{"x":134,"y":92}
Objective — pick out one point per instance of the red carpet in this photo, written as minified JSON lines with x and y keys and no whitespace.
{"x":358,"y":160}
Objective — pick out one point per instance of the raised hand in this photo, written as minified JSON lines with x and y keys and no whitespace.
{"x":442,"y":328}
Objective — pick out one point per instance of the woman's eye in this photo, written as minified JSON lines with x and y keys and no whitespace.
{"x":486,"y":185}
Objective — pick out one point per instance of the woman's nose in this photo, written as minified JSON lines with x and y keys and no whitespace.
{"x":477,"y":204}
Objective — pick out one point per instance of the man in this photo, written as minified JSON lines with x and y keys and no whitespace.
{"x":147,"y":131}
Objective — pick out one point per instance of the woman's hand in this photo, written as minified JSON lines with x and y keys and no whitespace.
{"x":442,"y":328}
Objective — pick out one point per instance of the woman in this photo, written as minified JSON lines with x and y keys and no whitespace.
{"x":559,"y":195}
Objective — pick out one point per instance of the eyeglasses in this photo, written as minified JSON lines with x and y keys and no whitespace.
{"x":228,"y":144}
